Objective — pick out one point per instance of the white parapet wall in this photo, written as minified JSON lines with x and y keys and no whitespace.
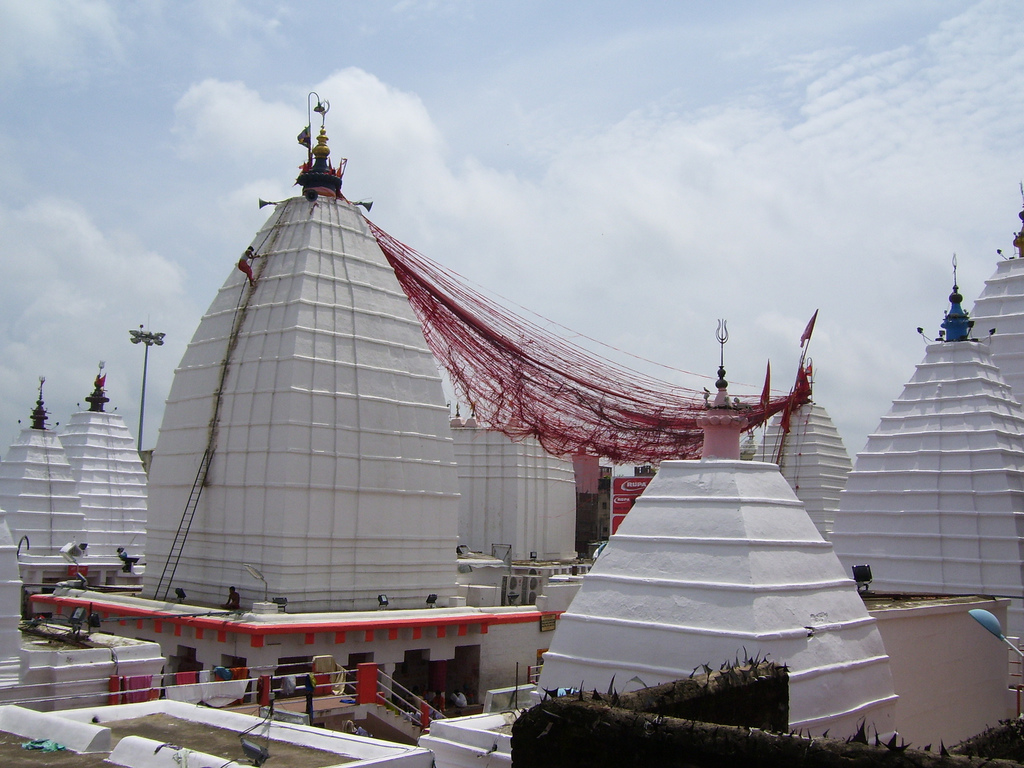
{"x":951,"y":676}
{"x":85,"y":726}
{"x":54,"y":677}
{"x":76,"y":736}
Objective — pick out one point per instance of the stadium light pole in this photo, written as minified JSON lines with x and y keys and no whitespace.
{"x":148,"y":338}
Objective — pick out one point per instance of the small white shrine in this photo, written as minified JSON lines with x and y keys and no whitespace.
{"x":38,"y":491}
{"x":513,"y":493}
{"x":110,"y":476}
{"x":933,"y":502}
{"x":813,"y":459}
{"x":306,"y":432}
{"x":717,"y":561}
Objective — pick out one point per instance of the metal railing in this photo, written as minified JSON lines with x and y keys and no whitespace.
{"x":404,"y":702}
{"x":262,"y":683}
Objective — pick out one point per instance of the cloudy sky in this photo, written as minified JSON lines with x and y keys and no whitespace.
{"x":630,"y":171}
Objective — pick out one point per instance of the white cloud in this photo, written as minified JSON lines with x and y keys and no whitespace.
{"x":71,"y":293}
{"x":56,"y":37}
{"x":840,"y":178}
{"x":230,"y":121}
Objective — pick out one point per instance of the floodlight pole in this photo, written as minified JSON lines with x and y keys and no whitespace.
{"x":149,"y":339}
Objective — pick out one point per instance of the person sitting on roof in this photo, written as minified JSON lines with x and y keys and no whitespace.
{"x":234,"y":600}
{"x":127,"y":561}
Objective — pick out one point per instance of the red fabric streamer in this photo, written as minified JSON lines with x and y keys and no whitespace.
{"x":526,"y":382}
{"x":766,"y":392}
{"x":809,"y":329}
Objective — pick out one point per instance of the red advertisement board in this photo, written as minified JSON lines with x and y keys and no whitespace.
{"x":624,"y":493}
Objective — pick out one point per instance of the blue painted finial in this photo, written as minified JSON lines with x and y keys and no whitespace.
{"x":956,"y":324}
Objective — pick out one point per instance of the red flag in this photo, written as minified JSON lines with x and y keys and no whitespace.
{"x":101,"y":381}
{"x":809,"y":329}
{"x":766,"y":392}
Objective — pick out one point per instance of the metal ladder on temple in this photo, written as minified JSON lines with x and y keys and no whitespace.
{"x":241,"y":309}
{"x":174,"y":554}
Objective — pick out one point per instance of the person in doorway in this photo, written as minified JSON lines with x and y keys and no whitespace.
{"x":234,"y":600}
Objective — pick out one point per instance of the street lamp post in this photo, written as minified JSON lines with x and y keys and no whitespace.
{"x":149,"y":339}
{"x":991,"y":623}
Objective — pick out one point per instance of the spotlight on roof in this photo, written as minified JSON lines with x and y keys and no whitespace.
{"x":862,"y":575}
{"x":72,"y":551}
{"x":431,"y":600}
{"x":382,"y":602}
{"x":180,"y":593}
{"x":254,"y":753}
{"x":77,"y":618}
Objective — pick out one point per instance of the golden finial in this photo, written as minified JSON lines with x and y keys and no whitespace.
{"x":321,"y":149}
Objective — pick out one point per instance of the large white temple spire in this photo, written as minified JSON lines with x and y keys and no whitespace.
{"x":306,"y":432}
{"x":932,"y":503}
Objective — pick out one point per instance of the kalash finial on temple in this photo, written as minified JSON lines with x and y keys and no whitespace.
{"x":39,"y":412}
{"x":956,"y":326}
{"x":319,"y":176}
{"x":98,"y":397}
{"x":722,"y":423}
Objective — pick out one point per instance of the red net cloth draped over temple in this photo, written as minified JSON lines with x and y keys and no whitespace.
{"x":524,"y":381}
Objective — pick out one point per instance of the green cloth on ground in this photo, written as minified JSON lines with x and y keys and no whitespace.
{"x":44,"y":745}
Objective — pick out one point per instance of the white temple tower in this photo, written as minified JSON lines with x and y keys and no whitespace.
{"x":718,"y":559}
{"x":813,"y":460}
{"x":312,"y":391}
{"x":934,"y":501}
{"x":513,"y":492}
{"x":38,"y":491}
{"x":1001,"y":307}
{"x":110,"y":476}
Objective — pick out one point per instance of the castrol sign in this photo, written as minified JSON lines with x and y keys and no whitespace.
{"x":624,"y":493}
